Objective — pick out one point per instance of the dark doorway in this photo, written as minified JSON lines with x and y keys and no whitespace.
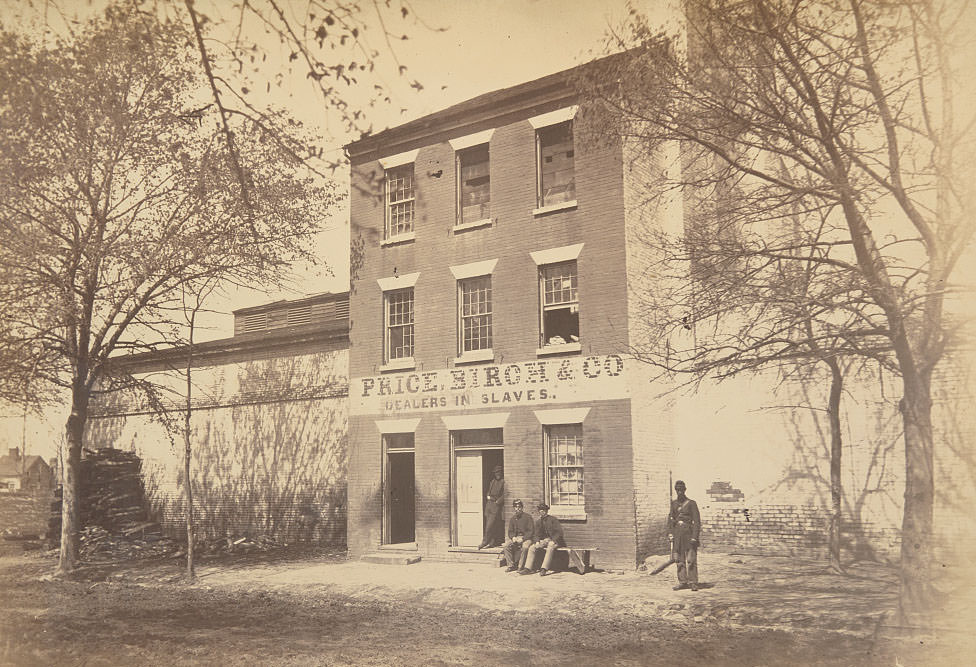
{"x":489,"y":459}
{"x":401,"y":497}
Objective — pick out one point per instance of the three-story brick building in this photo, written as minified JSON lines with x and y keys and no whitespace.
{"x":489,"y":319}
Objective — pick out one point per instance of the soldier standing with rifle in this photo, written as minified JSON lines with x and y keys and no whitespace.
{"x":684,"y":528}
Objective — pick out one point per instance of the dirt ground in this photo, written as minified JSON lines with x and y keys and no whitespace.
{"x":141,"y":614}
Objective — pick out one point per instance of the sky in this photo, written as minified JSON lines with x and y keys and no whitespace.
{"x":457,"y":49}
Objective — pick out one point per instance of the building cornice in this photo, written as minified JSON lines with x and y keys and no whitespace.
{"x":210,"y":352}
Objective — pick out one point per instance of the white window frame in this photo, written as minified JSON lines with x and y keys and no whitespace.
{"x":541,"y":123}
{"x":459,"y":221}
{"x":568,"y":345}
{"x":391,"y":235}
{"x":482,"y":353}
{"x":389,"y":360}
{"x":563,"y":510}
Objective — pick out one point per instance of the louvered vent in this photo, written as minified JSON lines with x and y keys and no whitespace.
{"x":299,"y":315}
{"x":254,"y":322}
{"x":342,"y":309}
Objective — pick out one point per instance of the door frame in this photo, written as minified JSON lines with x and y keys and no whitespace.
{"x":387,"y":487}
{"x":452,"y":477}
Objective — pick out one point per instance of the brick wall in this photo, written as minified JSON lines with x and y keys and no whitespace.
{"x":790,"y":530}
{"x":647,"y":211}
{"x":597,"y":223}
{"x":25,"y":514}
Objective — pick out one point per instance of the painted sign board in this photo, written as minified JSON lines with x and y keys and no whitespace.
{"x":534,"y":383}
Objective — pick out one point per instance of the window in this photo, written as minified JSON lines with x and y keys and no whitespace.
{"x":398,"y":307}
{"x":554,"y":153}
{"x":560,"y":304}
{"x":564,"y":465}
{"x":474,"y":184}
{"x":474,"y":297}
{"x":399,"y":201}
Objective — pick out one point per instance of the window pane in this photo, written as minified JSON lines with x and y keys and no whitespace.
{"x":399,"y":440}
{"x":556,"y":164}
{"x":399,"y":323}
{"x":478,"y":436}
{"x":560,"y":304}
{"x":399,"y":201}
{"x":565,"y":457}
{"x":474,"y":183}
{"x":476,"y":314}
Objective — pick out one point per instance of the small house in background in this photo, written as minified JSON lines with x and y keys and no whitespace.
{"x":27,"y":474}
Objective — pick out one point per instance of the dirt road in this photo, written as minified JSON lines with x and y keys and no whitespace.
{"x":113,"y":618}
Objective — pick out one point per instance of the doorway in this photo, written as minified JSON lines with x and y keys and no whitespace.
{"x":476,"y":453}
{"x":400,"y":514}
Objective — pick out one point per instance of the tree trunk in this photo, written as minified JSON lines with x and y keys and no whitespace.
{"x":75,"y":432}
{"x":836,"y":443}
{"x":916,"y":594}
{"x":187,"y":451}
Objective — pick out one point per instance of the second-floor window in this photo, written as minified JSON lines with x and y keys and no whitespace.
{"x":474,"y":184}
{"x":399,"y":201}
{"x":556,"y":171}
{"x":398,"y":306}
{"x":474,"y":327}
{"x":559,"y":319}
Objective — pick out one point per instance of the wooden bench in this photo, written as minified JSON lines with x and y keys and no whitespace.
{"x":579,"y":558}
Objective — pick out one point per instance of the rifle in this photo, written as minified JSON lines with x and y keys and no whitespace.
{"x":670,"y":561}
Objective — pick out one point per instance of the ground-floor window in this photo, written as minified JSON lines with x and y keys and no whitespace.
{"x":564,"y":465}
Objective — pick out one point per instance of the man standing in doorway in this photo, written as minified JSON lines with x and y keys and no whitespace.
{"x":494,"y":504}
{"x":521,"y":530}
{"x":549,"y":536}
{"x":684,"y":526}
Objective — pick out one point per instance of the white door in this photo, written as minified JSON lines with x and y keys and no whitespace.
{"x":470,"y":503}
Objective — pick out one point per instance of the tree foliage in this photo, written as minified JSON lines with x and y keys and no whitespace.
{"x":824,"y":169}
{"x":118,"y":191}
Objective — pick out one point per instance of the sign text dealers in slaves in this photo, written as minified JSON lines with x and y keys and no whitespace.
{"x":527,"y":382}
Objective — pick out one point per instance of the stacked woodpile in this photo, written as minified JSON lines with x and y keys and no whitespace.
{"x":111,"y":502}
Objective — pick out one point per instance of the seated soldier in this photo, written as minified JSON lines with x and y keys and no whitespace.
{"x":520,"y":533}
{"x":549,"y":536}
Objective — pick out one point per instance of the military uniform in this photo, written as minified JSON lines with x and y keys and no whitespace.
{"x":549,"y":536}
{"x":684,"y":524}
{"x":519,"y":526}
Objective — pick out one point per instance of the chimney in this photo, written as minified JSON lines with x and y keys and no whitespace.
{"x":14,"y":453}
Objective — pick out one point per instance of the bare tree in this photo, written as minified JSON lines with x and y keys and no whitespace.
{"x":191,"y":310}
{"x":118,"y":192}
{"x":846,"y":111}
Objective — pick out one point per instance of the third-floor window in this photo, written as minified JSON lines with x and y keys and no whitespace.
{"x":399,"y":201}
{"x":555,"y":163}
{"x":474,"y":184}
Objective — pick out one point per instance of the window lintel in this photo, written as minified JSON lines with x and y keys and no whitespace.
{"x":554,"y":117}
{"x":400,"y":159}
{"x":561,"y":416}
{"x":469,"y":140}
{"x":474,"y":269}
{"x":397,"y":425}
{"x":553,"y":255}
{"x":398,"y":282}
